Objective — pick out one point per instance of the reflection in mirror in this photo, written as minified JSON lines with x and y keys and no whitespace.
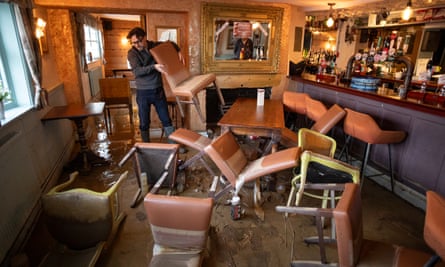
{"x":241,"y":40}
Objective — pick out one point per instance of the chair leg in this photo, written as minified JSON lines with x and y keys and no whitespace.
{"x":110,"y":126}
{"x":364,"y":163}
{"x":218,"y":91}
{"x":198,"y":108}
{"x":181,"y":108}
{"x":390,"y":168}
{"x":345,"y":149}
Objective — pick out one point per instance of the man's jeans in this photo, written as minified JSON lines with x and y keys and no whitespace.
{"x":144,"y":99}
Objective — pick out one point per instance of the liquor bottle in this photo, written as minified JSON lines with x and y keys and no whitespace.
{"x":241,"y":54}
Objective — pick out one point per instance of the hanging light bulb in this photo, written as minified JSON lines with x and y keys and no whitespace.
{"x":330,"y":21}
{"x":407,"y":12}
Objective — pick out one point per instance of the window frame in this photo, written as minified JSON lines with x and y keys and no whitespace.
{"x":15,"y":72}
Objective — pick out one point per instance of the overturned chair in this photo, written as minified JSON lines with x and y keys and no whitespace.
{"x":82,"y":221}
{"x":179,"y":226}
{"x":195,"y":141}
{"x":151,"y":161}
{"x":228,"y":156}
{"x":184,"y":86}
{"x":354,"y":250}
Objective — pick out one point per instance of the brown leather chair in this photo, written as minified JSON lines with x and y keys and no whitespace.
{"x":180,"y":227}
{"x":295,"y":104}
{"x":116,"y":93}
{"x":314,"y":109}
{"x":323,"y":125}
{"x":354,"y":250}
{"x":184,"y":86}
{"x":197,"y":142}
{"x":228,"y":156}
{"x":363,"y":127}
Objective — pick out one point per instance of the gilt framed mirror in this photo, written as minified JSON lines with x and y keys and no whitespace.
{"x":240,"y":38}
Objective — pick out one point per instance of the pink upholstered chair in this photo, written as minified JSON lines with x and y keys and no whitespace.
{"x":184,"y":86}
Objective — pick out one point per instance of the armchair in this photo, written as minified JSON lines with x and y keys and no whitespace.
{"x":82,"y":221}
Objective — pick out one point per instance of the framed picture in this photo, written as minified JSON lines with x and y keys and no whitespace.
{"x":167,"y":34}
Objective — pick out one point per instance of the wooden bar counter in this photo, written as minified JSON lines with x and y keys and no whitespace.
{"x":419,"y":161}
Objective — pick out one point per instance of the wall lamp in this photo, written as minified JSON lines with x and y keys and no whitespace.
{"x":40,"y":28}
{"x":407,"y":12}
{"x":330,"y":21}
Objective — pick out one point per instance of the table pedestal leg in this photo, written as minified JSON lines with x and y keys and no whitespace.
{"x":86,"y":158}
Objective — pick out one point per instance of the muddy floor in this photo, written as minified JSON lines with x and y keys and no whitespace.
{"x":274,"y":241}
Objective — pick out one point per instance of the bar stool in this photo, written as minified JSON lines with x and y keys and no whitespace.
{"x":295,"y":103}
{"x":363,"y":127}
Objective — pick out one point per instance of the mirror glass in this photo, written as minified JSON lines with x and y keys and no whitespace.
{"x":239,"y":38}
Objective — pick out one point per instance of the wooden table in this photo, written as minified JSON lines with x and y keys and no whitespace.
{"x":78,"y":113}
{"x":246,"y":118}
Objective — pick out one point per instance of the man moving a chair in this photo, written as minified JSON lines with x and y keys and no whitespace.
{"x":148,"y":82}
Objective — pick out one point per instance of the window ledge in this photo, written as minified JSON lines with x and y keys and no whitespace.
{"x":13,"y":113}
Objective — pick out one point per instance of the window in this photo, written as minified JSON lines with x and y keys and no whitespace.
{"x":14,"y":76}
{"x":92,"y":44}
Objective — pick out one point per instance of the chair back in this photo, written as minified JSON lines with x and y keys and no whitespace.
{"x":316,"y":142}
{"x":167,"y":55}
{"x":226,"y":153}
{"x":314,"y":109}
{"x":349,"y":225}
{"x":151,"y":159}
{"x":434,"y":231}
{"x":80,"y":218}
{"x":115,"y":91}
{"x":329,"y":119}
{"x":360,"y":125}
{"x":179,"y":222}
{"x":295,"y":102}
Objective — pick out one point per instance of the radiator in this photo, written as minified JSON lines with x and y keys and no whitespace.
{"x":94,"y":75}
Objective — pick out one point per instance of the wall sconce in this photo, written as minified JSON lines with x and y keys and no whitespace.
{"x":40,"y":35}
{"x":40,"y":28}
{"x":407,"y":12}
{"x":330,"y":21}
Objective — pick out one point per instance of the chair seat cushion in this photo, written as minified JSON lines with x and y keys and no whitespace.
{"x":193,"y":85}
{"x":318,"y":173}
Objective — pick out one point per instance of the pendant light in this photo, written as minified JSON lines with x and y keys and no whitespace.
{"x":407,"y":12}
{"x":330,"y":21}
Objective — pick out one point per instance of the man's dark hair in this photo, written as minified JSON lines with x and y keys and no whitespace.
{"x":138,"y":31}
